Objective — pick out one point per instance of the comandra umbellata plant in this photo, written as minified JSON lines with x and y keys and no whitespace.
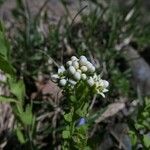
{"x":80,"y":83}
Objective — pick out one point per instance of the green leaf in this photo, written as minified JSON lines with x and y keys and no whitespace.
{"x":17,"y":88}
{"x":6,"y":66}
{"x":87,"y":148}
{"x":7,"y":99}
{"x":66,"y":134}
{"x":73,"y":98}
{"x":4,"y":53}
{"x":27,"y":116}
{"x":33,"y":126}
{"x":133,"y":137}
{"x":4,"y":45}
{"x":145,"y":114}
{"x":20,"y":136}
{"x":68,"y":117}
{"x":145,"y":123}
{"x":82,"y":111}
{"x":146,"y":141}
{"x":139,"y":126}
{"x":147,"y":101}
{"x":82,"y":129}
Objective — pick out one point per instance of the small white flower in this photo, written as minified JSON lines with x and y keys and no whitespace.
{"x":100,"y":85}
{"x":75,"y":64}
{"x":63,"y":82}
{"x":69,"y":63}
{"x":83,"y":76}
{"x":83,"y":60}
{"x":77,"y":76}
{"x":81,"y":69}
{"x":84,"y":68}
{"x":90,"y":81}
{"x":72,"y":82}
{"x":61,"y":70}
{"x":72,"y":70}
{"x":73,"y":58}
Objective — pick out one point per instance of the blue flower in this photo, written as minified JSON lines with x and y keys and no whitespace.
{"x":82,"y":121}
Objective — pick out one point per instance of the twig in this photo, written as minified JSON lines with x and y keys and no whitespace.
{"x":41,"y":9}
{"x":55,"y":63}
{"x":77,"y":15}
{"x":93,"y":101}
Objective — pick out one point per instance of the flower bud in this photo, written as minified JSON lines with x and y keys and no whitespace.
{"x":63,"y":82}
{"x":82,"y":121}
{"x":54,"y":77}
{"x":77,"y":76}
{"x":61,"y":70}
{"x":92,"y":69}
{"x":105,"y":83}
{"x":72,"y":82}
{"x":90,"y":81}
{"x":75,"y":64}
{"x":72,"y":70}
{"x":69,"y":63}
{"x":78,"y":70}
{"x":83,"y":60}
{"x":89,"y":65}
{"x":83,"y":76}
{"x":73,"y":58}
{"x":83,"y":57}
{"x":84,"y":69}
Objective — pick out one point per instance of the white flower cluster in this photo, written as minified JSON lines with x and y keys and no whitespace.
{"x":80,"y":69}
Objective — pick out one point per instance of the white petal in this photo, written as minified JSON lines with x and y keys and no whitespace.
{"x":105,"y":90}
{"x":102,"y":94}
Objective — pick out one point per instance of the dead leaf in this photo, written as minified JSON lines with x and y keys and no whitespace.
{"x":111,"y":111}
